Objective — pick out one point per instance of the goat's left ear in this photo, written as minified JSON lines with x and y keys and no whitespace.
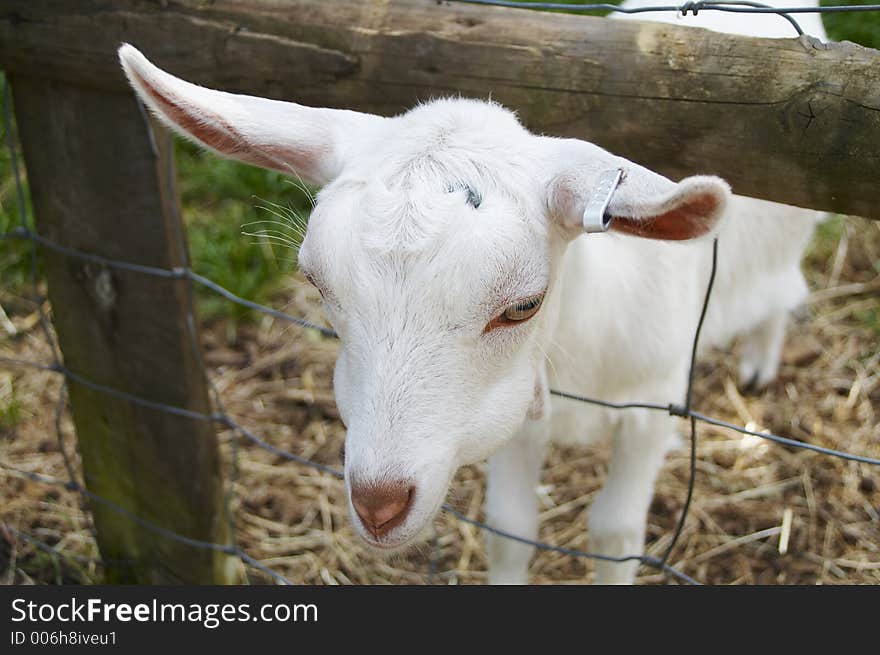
{"x":313,"y":143}
{"x":644,"y":204}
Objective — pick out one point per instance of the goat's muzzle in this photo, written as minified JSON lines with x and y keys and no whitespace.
{"x":382,"y":507}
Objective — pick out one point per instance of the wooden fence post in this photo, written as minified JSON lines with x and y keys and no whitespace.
{"x":101,"y":184}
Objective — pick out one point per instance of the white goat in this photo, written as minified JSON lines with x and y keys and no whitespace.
{"x":444,"y":245}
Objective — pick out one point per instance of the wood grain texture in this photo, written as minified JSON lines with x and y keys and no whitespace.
{"x":791,"y":120}
{"x":98,"y":186}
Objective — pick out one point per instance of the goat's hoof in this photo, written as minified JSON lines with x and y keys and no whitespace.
{"x":753,"y":379}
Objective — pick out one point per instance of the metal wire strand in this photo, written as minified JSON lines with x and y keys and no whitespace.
{"x":144,"y":523}
{"x":733,"y":6}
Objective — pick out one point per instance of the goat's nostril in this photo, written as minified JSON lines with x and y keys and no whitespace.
{"x":382,"y":507}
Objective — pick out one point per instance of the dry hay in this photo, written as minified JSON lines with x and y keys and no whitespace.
{"x":762,"y":513}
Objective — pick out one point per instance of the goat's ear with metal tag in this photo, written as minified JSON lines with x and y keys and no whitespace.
{"x":689,"y":209}
{"x":596,"y":217}
{"x":591,"y":190}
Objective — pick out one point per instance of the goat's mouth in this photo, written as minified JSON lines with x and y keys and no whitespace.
{"x":405,"y":534}
{"x":387,"y":543}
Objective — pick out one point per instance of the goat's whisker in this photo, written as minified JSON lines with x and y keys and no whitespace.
{"x":302,"y":186}
{"x":288,"y":219}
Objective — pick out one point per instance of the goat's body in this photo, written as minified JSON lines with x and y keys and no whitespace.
{"x":597,"y":352}
{"x":762,"y":245}
{"x":643,"y":354}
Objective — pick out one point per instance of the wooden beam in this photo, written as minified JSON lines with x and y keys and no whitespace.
{"x":791,"y":120}
{"x":98,"y":186}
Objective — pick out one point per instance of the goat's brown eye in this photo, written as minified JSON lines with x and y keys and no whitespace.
{"x":523,"y":309}
{"x":518,"y":312}
{"x":311,"y":281}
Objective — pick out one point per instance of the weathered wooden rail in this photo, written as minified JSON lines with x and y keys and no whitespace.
{"x":788,"y":120}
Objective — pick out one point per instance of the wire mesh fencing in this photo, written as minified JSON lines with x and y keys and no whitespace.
{"x":692,"y":8}
{"x":186,"y":276}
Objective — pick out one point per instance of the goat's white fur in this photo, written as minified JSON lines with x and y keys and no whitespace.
{"x":412,"y":273}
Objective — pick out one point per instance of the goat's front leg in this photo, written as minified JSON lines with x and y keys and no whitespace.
{"x":761,"y":352}
{"x":511,"y":502}
{"x":618,"y":515}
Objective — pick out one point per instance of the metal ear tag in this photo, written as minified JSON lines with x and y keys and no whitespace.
{"x":597,"y":204}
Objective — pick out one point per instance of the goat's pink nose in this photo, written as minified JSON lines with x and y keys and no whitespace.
{"x":382,"y":507}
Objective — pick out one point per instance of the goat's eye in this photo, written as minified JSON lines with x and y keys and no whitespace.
{"x":523,"y":310}
{"x":518,"y":312}
{"x":311,"y":281}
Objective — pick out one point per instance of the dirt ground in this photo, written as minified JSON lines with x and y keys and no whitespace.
{"x":761,"y":514}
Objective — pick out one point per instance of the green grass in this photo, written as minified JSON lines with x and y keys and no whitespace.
{"x":10,"y":407}
{"x":862,"y":27}
{"x":822,"y":249}
{"x":870,"y":318}
{"x":14,"y":255}
{"x":221,"y":201}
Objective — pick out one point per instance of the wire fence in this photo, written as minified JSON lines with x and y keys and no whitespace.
{"x":219,"y":415}
{"x":694,"y":8}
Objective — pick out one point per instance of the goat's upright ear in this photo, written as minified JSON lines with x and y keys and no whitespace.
{"x":283,"y":136}
{"x":644,"y":204}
